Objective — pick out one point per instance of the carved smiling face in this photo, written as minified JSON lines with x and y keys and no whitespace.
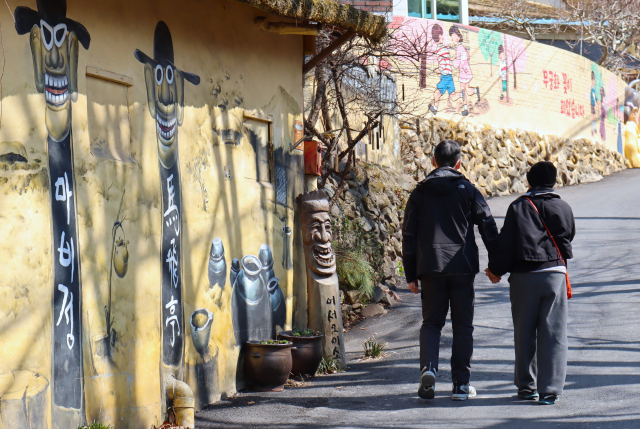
{"x":55,"y":60}
{"x":317,"y":237}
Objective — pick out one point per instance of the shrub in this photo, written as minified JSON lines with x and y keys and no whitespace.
{"x":373,"y":348}
{"x":95,"y":425}
{"x":328,"y":366}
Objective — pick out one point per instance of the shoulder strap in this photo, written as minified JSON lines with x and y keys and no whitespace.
{"x":548,"y":232}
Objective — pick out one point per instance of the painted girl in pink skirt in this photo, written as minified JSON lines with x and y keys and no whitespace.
{"x":462,"y":64}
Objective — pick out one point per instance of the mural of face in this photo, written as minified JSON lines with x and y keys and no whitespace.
{"x":165,"y":92}
{"x":316,"y":234}
{"x":54,"y":49}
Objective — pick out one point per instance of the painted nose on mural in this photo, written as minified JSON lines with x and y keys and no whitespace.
{"x":54,"y":60}
{"x":166,"y":93}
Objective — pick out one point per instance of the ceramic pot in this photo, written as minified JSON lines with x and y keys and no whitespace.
{"x":121,"y":258}
{"x":201,"y":321}
{"x":250,"y":303}
{"x":217,"y":264}
{"x":278,"y":306}
{"x":306,"y":353}
{"x":267,"y":366}
{"x":266,"y":259}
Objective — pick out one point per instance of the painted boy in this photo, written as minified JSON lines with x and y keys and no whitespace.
{"x":444,"y":68}
{"x":503,"y":71}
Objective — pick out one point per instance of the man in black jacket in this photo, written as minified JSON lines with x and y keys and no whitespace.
{"x":439,"y":249}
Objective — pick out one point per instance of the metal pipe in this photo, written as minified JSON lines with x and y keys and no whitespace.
{"x":181,"y":397}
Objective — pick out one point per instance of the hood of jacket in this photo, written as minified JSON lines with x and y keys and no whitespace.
{"x":542,"y":191}
{"x":442,"y":181}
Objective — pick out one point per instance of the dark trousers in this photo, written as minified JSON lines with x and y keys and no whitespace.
{"x":438,"y":293}
{"x":539,"y":310}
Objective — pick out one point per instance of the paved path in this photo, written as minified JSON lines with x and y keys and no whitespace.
{"x":603,"y":382}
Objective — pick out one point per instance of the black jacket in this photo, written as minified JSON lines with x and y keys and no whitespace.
{"x":438,"y":235}
{"x":524,"y":244}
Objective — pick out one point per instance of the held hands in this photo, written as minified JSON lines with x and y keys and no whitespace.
{"x":413,"y":287}
{"x":494,"y":279}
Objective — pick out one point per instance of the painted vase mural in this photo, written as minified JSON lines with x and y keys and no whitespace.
{"x":217,"y":264}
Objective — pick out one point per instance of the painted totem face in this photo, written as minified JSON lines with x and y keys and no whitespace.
{"x":317,"y":237}
{"x":165,"y":93}
{"x":55,"y":61}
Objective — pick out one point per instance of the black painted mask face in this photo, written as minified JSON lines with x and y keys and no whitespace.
{"x":165,"y":94}
{"x":55,"y":60}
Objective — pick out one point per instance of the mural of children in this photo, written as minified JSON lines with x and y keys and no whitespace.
{"x":594,"y":101}
{"x":603,"y":114}
{"x":443,"y":56}
{"x":619,"y":125}
{"x":461,"y":62}
{"x":503,"y":71}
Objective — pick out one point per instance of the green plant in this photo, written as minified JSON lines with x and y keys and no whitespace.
{"x":400,"y":269}
{"x":304,"y":333}
{"x":95,"y":425}
{"x":354,"y":271}
{"x":329,"y":366}
{"x":373,"y":347}
{"x":274,"y":342}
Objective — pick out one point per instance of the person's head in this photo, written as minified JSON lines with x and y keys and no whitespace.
{"x":543,"y":174}
{"x":447,"y":154}
{"x":455,"y":34}
{"x":501,"y":52}
{"x":631,"y":104}
{"x":436,"y":33}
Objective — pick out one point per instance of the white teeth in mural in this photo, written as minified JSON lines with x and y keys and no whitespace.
{"x":166,"y":127}
{"x":56,"y":89}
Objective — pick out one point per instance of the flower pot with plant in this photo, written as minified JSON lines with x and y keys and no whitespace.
{"x":268,"y":364}
{"x":307,"y":351}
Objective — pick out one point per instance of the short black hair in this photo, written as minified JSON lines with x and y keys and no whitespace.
{"x":447,"y":153}
{"x":542,"y":173}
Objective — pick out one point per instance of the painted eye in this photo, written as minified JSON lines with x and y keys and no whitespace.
{"x":47,"y":34}
{"x":169,"y":74}
{"x":159,"y":74}
{"x":60,"y":32}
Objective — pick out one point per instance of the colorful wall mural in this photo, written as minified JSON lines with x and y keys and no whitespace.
{"x":164,"y":224}
{"x":497,"y":78}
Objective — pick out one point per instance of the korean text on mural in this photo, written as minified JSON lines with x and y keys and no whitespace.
{"x":172,"y":218}
{"x":66,"y":252}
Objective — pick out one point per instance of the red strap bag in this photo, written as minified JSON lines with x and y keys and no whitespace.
{"x":569,"y":293}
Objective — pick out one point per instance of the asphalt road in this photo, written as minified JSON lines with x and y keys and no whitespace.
{"x":603,"y":381}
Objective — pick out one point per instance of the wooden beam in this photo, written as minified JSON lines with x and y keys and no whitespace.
{"x":110,"y":76}
{"x":348,"y":35}
{"x":286,"y":28}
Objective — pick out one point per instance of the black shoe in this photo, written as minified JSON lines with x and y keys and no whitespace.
{"x":427,"y":384}
{"x":548,"y":399}
{"x":433,"y":109}
{"x":462,"y":392}
{"x":465,"y":112}
{"x":501,"y":97}
{"x":528,"y":394}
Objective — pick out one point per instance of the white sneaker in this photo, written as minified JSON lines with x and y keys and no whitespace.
{"x":463,"y":392}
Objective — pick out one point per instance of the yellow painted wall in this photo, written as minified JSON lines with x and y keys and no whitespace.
{"x":549,"y":89}
{"x":236,"y":62}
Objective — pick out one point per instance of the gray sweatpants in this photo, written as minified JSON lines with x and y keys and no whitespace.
{"x":539,"y":310}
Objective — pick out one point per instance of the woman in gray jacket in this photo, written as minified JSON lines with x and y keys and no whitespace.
{"x":534,"y":245}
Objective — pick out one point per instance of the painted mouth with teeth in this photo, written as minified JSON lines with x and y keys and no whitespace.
{"x":166,"y":127}
{"x":323,"y":255}
{"x":56,"y":89}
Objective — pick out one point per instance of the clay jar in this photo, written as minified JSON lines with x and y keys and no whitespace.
{"x":250,"y":303}
{"x":217,"y":264}
{"x":121,"y":258}
{"x":267,"y":365}
{"x":278,"y":306}
{"x":201,"y":321}
{"x":306,"y":354}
